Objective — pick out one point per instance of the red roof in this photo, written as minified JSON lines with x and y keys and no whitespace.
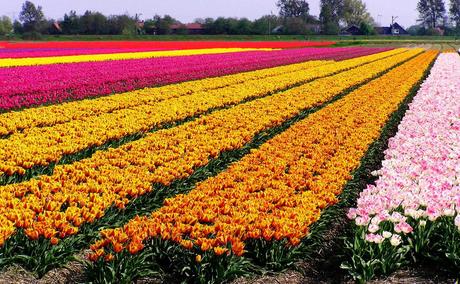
{"x":192,"y":26}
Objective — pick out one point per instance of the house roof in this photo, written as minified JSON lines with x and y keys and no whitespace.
{"x":387,"y":30}
{"x":194,"y":26}
{"x":191,"y":26}
{"x":383,"y":30}
{"x":352,"y":29}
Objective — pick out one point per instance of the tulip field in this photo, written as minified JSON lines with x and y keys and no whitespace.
{"x":208,"y":161}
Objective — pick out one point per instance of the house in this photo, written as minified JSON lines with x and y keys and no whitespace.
{"x":192,"y":29}
{"x":352,"y":30}
{"x":394,"y":29}
{"x":57,"y":26}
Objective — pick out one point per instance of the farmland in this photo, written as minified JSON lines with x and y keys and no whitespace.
{"x":210,"y":161}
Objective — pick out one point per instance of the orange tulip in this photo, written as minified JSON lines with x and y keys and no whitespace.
{"x":220,"y":250}
{"x":32,"y":234}
{"x":109,"y":257}
{"x":54,"y":241}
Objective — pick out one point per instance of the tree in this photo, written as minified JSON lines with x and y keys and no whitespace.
{"x":218,"y":26}
{"x":6,"y":26}
{"x":95,"y":23}
{"x":367,"y":28}
{"x":295,"y":26}
{"x":244,"y":27}
{"x":32,"y":18}
{"x":431,"y":12}
{"x":182,"y":29}
{"x":71,"y":23}
{"x":294,"y":9}
{"x":455,"y":12}
{"x":121,"y":24}
{"x":265,"y":24}
{"x":416,"y":30}
{"x":17,"y":27}
{"x":163,"y":24}
{"x":52,"y":27}
{"x":149,"y":26}
{"x":330,"y":15}
{"x":355,"y":13}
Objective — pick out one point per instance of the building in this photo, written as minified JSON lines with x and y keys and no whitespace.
{"x":352,"y":30}
{"x":394,"y":29}
{"x":192,"y":29}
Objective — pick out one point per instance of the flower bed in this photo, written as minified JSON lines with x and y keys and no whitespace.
{"x":412,"y":211}
{"x":29,"y":86}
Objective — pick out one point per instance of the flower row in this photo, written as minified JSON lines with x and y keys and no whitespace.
{"x":56,"y":205}
{"x":419,"y":181}
{"x":50,"y":52}
{"x":165,"y":44}
{"x":14,"y":62}
{"x":42,"y":146}
{"x":278,"y":190}
{"x":35,"y":85}
{"x":12,"y":122}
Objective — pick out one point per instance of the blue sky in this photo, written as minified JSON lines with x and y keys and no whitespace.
{"x":188,"y":10}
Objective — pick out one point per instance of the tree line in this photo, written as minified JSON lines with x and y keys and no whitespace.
{"x":293,"y":18}
{"x":433,"y":16}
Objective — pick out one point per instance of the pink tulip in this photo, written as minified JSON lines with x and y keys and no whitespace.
{"x":420,"y":175}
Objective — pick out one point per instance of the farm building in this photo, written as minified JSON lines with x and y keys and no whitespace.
{"x":192,"y":28}
{"x":394,"y":29}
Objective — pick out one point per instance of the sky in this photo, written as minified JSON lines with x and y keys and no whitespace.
{"x":188,"y":10}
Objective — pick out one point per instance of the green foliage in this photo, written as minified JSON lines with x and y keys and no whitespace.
{"x":17,"y":27}
{"x":6,"y":26}
{"x":32,"y":18}
{"x":330,"y":16}
{"x":416,"y":30}
{"x":234,"y":26}
{"x":32,"y":36}
{"x":265,"y":25}
{"x":163,"y":24}
{"x":294,"y":9}
{"x":355,"y":13}
{"x":71,"y":23}
{"x":366,"y":28}
{"x":295,"y":26}
{"x":149,"y":27}
{"x":121,"y":24}
{"x":170,"y":263}
{"x":368,"y":260}
{"x":433,"y":241}
{"x":95,"y":23}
